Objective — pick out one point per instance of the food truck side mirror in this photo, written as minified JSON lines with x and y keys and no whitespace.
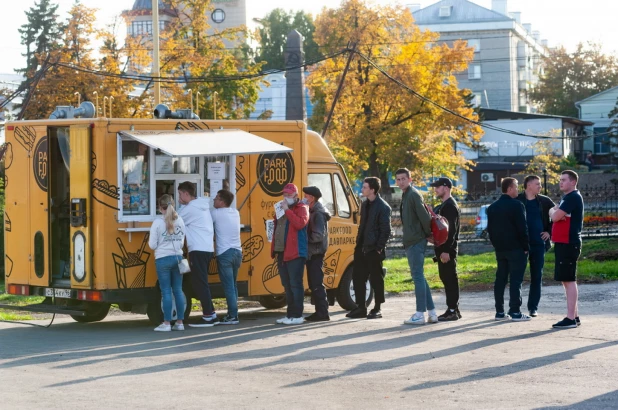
{"x":78,"y":212}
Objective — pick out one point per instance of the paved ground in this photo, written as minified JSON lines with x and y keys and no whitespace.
{"x":472,"y":363}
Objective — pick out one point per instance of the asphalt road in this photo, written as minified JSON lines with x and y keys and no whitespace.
{"x":474,"y":363}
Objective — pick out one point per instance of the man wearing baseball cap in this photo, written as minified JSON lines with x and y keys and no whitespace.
{"x":446,"y":254}
{"x":289,"y":248}
{"x":317,"y":233}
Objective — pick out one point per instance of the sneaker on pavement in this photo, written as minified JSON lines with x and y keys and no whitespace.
{"x":163,"y":328}
{"x":416,"y":319}
{"x":448,"y":316}
{"x":502,"y":316}
{"x":374,"y":314}
{"x":519,"y":317}
{"x":577,"y":321}
{"x":458,"y":313}
{"x":534,"y":313}
{"x":565,"y":323}
{"x":432,"y":318}
{"x":178,"y":326}
{"x":293,"y":321}
{"x":314,"y":317}
{"x":357,"y":313}
{"x":229,"y":320}
{"x":280,"y":321}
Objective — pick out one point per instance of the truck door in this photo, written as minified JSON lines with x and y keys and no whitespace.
{"x":36,"y":139}
{"x":80,"y":206}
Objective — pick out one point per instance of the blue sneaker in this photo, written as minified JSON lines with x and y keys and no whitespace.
{"x":519,"y":317}
{"x":502,"y":316}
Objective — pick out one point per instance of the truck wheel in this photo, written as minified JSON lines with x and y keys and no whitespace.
{"x":345,"y":291}
{"x":95,"y":312}
{"x":155,"y":309}
{"x":273,"y":301}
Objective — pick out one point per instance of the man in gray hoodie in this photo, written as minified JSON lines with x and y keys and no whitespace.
{"x":317,"y":234}
{"x":199,"y":232}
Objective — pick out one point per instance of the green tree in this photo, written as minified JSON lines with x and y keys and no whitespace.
{"x":571,"y":77}
{"x":272,"y":37}
{"x":377,"y":125}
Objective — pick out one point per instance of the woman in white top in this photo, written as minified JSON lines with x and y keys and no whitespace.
{"x":167,"y":235}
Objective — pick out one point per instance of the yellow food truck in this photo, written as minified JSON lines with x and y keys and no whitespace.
{"x":81,"y":194}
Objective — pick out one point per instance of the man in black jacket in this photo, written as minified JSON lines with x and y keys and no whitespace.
{"x":446,"y":254}
{"x":539,"y":228}
{"x":373,"y":233}
{"x":508,"y":232}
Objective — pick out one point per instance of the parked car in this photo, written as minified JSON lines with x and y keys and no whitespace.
{"x":481,"y":221}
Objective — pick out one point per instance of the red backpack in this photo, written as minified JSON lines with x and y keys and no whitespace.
{"x":439,"y":228}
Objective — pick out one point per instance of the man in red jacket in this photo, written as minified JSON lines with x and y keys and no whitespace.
{"x":289,"y":247}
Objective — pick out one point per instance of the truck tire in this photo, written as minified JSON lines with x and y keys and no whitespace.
{"x":273,"y":301}
{"x":154,"y":311}
{"x":95,"y":312}
{"x":345,"y":291}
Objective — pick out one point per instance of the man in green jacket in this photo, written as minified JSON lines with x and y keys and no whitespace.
{"x":416,"y":223}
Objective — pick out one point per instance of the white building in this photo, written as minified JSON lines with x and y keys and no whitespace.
{"x":596,"y":109}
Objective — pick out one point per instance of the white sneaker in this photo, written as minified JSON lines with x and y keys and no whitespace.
{"x":432,"y":318}
{"x":178,"y":326}
{"x":416,"y":319}
{"x":163,"y":328}
{"x":293,"y":321}
{"x":280,"y":321}
{"x":210,"y":318}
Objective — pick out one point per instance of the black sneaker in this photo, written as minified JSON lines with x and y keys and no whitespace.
{"x":448,"y":316}
{"x":577,"y":321}
{"x":374,"y":314}
{"x":502,"y":316}
{"x":314,"y":317}
{"x":565,"y":323}
{"x":458,"y":313}
{"x":357,"y":313}
{"x":229,"y":320}
{"x":534,"y":313}
{"x":519,"y":317}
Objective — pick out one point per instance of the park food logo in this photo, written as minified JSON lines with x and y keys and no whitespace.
{"x":40,"y":164}
{"x":276,"y":171}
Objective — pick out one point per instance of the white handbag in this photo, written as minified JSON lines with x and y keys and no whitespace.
{"x":183,"y":265}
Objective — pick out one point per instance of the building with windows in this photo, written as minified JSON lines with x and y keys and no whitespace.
{"x":604,"y":147}
{"x":139,"y":18}
{"x":507,"y":57}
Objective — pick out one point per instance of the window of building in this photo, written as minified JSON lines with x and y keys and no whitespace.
{"x":475,"y":43}
{"x":218,"y":16}
{"x":477,"y":99}
{"x":323,"y":181}
{"x":343,"y":205}
{"x":474,"y":72}
{"x":445,"y":11}
{"x":601,"y":141}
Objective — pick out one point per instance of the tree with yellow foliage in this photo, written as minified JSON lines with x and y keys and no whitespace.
{"x":545,"y":159}
{"x":378,"y":126}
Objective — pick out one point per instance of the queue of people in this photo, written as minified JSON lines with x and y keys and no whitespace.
{"x":521,"y":228}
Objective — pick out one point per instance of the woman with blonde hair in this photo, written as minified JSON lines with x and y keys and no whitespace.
{"x":167,"y":235}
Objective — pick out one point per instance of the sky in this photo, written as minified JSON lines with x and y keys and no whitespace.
{"x":561,"y":22}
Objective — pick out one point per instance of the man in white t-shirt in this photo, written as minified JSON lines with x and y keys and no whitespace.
{"x":229,"y":251}
{"x":199,"y":232}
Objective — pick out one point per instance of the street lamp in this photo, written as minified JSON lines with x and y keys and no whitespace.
{"x":545,"y":180}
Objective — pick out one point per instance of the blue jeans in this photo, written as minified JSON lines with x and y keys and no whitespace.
{"x":536,"y":256}
{"x":291,"y":274}
{"x":416,"y":260}
{"x":511,"y":265}
{"x":170,"y":280}
{"x":229,"y":263}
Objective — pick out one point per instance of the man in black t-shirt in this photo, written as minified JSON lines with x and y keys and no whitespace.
{"x":446,"y":254}
{"x":568,"y":218}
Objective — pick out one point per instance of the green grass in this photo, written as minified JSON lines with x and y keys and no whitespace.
{"x":477,"y":272}
{"x":16,"y":300}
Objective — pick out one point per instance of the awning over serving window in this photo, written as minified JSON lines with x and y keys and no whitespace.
{"x":189,"y":143}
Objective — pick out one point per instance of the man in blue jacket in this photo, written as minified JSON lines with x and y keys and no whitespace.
{"x":508,"y":232}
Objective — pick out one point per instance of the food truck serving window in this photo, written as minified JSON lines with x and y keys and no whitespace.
{"x":135,"y":179}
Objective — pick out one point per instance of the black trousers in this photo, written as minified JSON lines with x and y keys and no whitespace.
{"x":510,"y":264}
{"x":199,"y":261}
{"x":448,"y":276}
{"x":368,"y":266}
{"x":315,"y":278}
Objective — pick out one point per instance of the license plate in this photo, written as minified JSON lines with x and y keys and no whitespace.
{"x":59,"y":293}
